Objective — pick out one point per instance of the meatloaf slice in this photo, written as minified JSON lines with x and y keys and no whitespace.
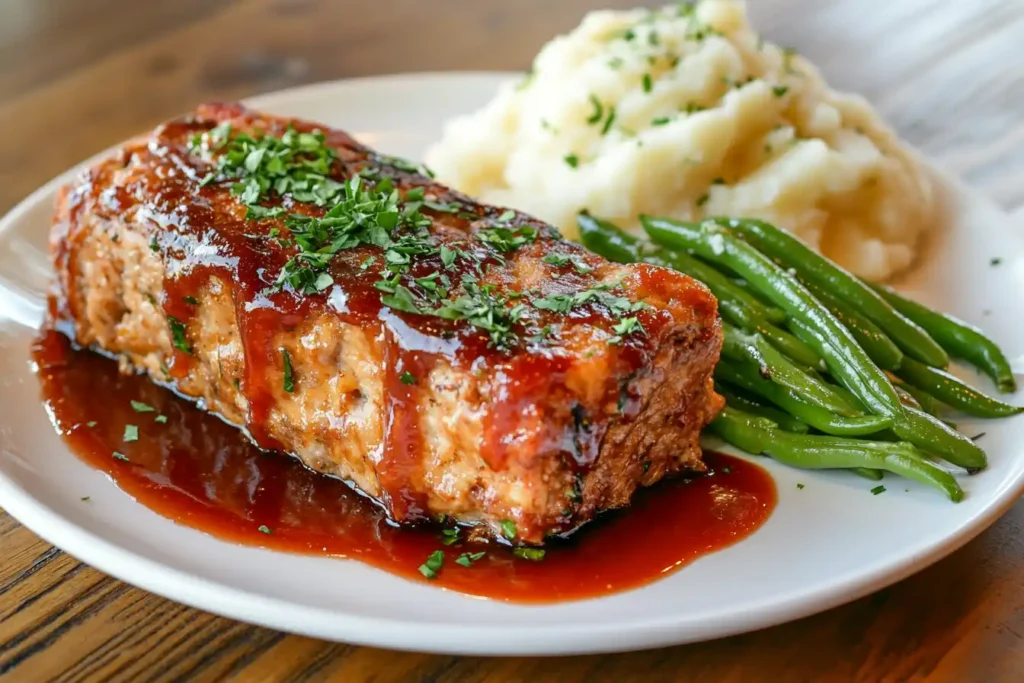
{"x":445,"y":357}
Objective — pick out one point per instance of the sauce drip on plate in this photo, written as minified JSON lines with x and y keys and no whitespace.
{"x":193,"y":468}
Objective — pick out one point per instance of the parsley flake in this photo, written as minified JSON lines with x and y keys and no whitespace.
{"x":647,"y":83}
{"x":264,"y":529}
{"x":624,"y":328}
{"x":407,"y":378}
{"x":571,"y":160}
{"x":608,"y":122}
{"x":121,"y":456}
{"x":598,"y":113}
{"x":90,"y":424}
{"x":449,"y":536}
{"x":432,"y":566}
{"x":131,"y":433}
{"x":289,"y":375}
{"x":508,"y":529}
{"x":467,"y":559}
{"x":780,"y":90}
{"x":532,"y":554}
{"x":878,"y":489}
{"x":507,"y":239}
{"x":140,"y":407}
{"x":179,"y":340}
{"x":161,"y":419}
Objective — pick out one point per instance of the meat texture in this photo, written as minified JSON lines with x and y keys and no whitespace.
{"x":445,"y":357}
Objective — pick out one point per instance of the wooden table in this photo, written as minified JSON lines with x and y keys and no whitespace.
{"x":76,"y":77}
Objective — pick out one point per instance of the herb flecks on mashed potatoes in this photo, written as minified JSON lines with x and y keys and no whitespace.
{"x":686,"y":112}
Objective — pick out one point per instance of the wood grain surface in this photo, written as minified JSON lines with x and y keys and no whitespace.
{"x":77,"y":76}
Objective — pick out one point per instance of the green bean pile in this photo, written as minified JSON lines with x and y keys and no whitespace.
{"x":819,"y":369}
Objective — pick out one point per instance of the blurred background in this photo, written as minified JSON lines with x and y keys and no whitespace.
{"x":77,"y":76}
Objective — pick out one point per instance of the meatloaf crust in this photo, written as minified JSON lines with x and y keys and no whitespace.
{"x":458,"y":359}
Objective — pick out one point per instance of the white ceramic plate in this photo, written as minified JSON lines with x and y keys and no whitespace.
{"x":826,"y":544}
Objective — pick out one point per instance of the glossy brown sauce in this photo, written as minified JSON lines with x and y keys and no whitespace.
{"x":203,"y":473}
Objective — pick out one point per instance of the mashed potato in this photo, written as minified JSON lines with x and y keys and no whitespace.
{"x":687,"y":112}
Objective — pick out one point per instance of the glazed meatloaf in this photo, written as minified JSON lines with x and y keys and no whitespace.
{"x":445,"y":357}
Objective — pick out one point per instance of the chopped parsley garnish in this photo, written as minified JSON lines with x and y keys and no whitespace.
{"x":449,"y":536}
{"x":407,"y":378}
{"x":625,"y":328}
{"x":661,"y":120}
{"x":995,"y":261}
{"x":482,"y":308}
{"x":296,"y":163}
{"x":780,"y":90}
{"x":362,"y":216}
{"x":289,"y":375}
{"x":507,"y":239}
{"x":565,"y":303}
{"x":598,"y":113}
{"x":120,"y":456}
{"x":703,"y":199}
{"x":645,"y":465}
{"x":506,"y":216}
{"x":178,"y":335}
{"x":508,"y":529}
{"x":190,"y":300}
{"x":608,"y":121}
{"x":577,"y":262}
{"x":647,"y":83}
{"x":878,"y":489}
{"x":572,"y":160}
{"x":90,"y":424}
{"x":131,"y":433}
{"x":799,"y":486}
{"x":153,"y":246}
{"x":467,"y":559}
{"x":726,"y":470}
{"x":533,"y":554}
{"x":140,"y":407}
{"x":264,"y":529}
{"x":85,"y":499}
{"x":162,"y":419}
{"x":432,"y":566}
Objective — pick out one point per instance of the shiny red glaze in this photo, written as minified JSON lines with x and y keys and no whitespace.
{"x":204,"y":473}
{"x":202,"y":234}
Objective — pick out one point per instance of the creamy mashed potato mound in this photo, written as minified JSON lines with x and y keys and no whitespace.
{"x":686,"y":112}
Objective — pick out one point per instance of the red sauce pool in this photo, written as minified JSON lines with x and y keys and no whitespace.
{"x":203,"y":473}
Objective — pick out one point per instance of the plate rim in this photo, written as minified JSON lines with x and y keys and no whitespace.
{"x":476,"y":639}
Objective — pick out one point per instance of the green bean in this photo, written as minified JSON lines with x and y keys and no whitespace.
{"x":758,"y":435}
{"x":735,"y":304}
{"x":917,"y":427}
{"x":953,"y":392}
{"x":746,"y":375}
{"x":846,"y":360}
{"x":809,"y":265}
{"x":876,"y":343}
{"x":925,"y":401}
{"x":934,"y":436}
{"x":740,"y":400}
{"x":958,"y":338}
{"x":780,"y":370}
{"x":608,"y":240}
